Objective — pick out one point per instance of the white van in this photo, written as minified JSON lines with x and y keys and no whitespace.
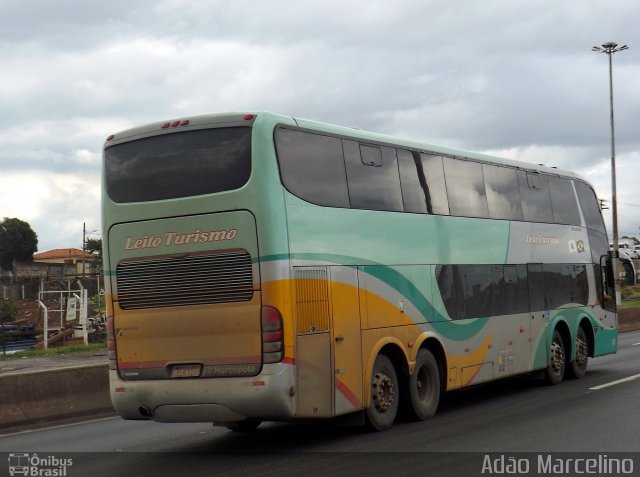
{"x":625,"y":247}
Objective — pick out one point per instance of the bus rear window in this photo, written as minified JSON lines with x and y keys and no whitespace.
{"x":180,"y":164}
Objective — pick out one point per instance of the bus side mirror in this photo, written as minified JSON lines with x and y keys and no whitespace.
{"x":608,"y":283}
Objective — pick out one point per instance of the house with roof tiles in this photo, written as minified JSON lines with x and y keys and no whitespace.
{"x":63,"y":262}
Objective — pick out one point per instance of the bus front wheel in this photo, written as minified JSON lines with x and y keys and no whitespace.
{"x":557,"y":360}
{"x":383,"y":408}
{"x":424,"y":386}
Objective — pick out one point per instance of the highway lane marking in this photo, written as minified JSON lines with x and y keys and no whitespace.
{"x":613,"y":383}
{"x":635,"y":344}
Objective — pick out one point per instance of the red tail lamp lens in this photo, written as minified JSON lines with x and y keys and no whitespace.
{"x":272,"y":335}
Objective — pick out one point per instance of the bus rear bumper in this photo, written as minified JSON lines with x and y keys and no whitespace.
{"x":268,"y":396}
{"x":195,"y":413}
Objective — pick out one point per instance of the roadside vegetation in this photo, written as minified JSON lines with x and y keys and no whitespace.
{"x":61,"y":350}
{"x":630,"y":296}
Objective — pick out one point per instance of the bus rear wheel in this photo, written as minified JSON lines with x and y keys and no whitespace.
{"x":424,"y":386}
{"x":557,"y":360}
{"x":578,"y":367}
{"x":382,"y":411}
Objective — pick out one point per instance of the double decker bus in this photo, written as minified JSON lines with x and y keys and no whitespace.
{"x":264,"y":267}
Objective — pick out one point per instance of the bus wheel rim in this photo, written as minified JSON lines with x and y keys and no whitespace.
{"x":425,"y":392}
{"x":582,"y":351}
{"x":557,"y":358}
{"x":384,"y":393}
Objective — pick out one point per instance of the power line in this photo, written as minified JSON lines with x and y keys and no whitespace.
{"x":623,"y":203}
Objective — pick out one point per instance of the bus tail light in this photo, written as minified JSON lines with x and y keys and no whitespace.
{"x":111,"y":343}
{"x":174,"y":124}
{"x":272,"y":335}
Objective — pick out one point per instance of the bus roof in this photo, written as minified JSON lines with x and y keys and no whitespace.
{"x":246,"y":118}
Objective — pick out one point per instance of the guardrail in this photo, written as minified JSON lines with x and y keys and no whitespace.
{"x":52,"y":395}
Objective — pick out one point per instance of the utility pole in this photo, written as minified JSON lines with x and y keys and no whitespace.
{"x":84,"y":246}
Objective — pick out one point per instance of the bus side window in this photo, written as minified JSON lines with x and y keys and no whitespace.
{"x":433,"y":171}
{"x":372,"y":177}
{"x":415,"y":193}
{"x":312,"y":167}
{"x":503,"y":195}
{"x":537,"y":298}
{"x":563,"y":201}
{"x":534,"y":193}
{"x":451,"y":286}
{"x":465,"y":188}
{"x":590,"y":208}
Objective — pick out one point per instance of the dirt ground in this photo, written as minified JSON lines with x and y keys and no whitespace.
{"x":43,"y":363}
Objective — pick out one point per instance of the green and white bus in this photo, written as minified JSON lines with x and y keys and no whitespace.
{"x":264,"y":267}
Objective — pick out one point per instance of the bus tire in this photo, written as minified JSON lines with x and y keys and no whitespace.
{"x":578,"y":367}
{"x":384,"y":389}
{"x":424,"y":386}
{"x":557,"y":361}
{"x":247,"y":425}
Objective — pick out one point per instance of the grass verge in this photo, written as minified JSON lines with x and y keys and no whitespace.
{"x":36,"y":353}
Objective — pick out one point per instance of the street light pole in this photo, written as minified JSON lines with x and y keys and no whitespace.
{"x":609,"y":49}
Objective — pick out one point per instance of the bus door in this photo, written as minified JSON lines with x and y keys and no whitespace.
{"x":328,"y":354}
{"x":512,"y":341}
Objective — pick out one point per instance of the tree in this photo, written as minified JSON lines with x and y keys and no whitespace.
{"x":93,"y":245}
{"x":18,"y":241}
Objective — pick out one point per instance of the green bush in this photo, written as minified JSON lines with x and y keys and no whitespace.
{"x":630,"y":293}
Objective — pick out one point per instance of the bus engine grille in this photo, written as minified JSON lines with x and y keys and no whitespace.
{"x":187,"y":280}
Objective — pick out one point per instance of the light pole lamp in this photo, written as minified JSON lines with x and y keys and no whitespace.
{"x":610,"y":48}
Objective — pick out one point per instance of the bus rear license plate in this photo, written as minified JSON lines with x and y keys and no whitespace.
{"x":188,"y":371}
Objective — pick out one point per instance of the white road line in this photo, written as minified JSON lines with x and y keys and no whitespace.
{"x":635,"y":344}
{"x":613,"y":383}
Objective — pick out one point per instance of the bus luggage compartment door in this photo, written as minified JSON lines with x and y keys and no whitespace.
{"x":313,"y":343}
{"x":328,"y":341}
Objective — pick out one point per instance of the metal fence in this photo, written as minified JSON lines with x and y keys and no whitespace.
{"x":29,"y":289}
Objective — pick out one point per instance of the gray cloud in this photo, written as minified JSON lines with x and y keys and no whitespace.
{"x":513,"y":78}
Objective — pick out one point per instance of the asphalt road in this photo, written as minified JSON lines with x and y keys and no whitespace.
{"x":598,"y":414}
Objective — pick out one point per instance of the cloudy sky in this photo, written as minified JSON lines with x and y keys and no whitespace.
{"x":515,"y":78}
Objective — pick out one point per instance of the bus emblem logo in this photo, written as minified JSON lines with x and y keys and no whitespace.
{"x":576,"y":247}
